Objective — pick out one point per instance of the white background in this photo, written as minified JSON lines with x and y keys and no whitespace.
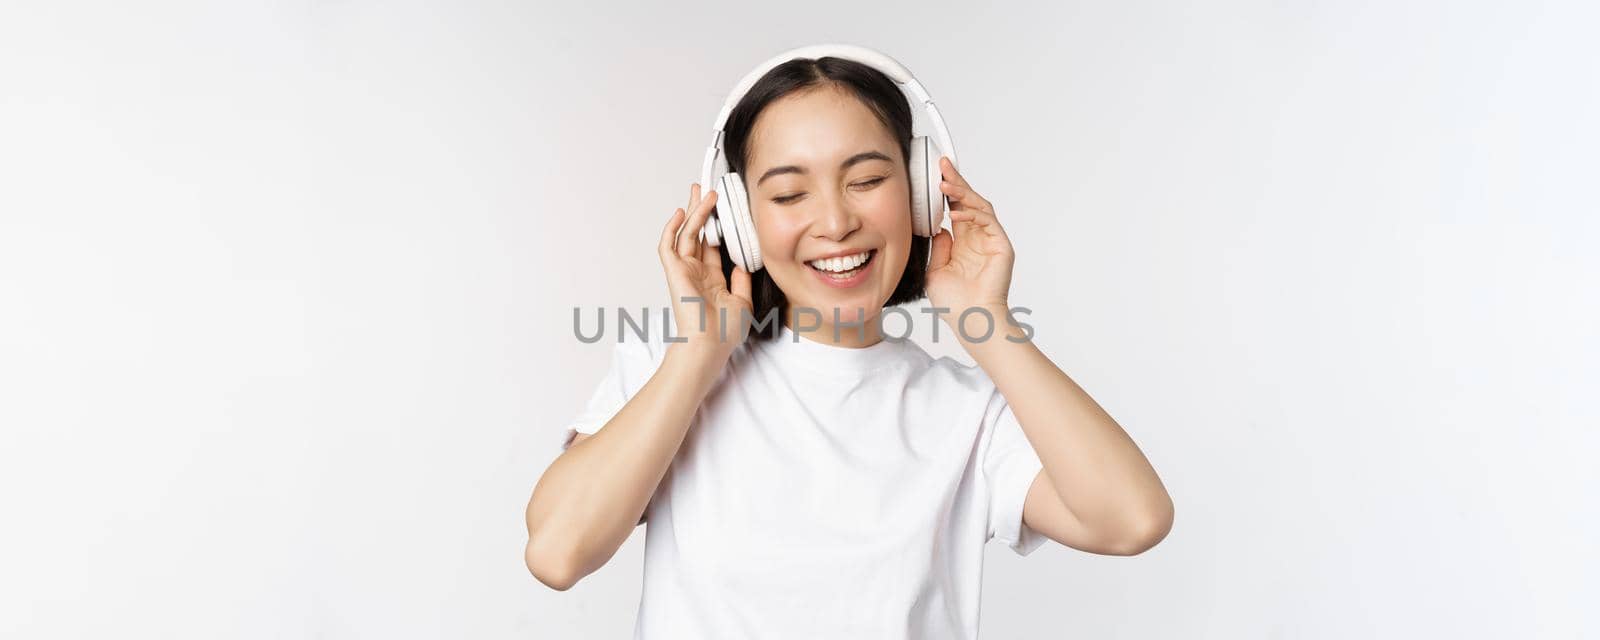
{"x":286,"y":292}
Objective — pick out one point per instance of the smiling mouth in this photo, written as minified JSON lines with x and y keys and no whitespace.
{"x":838,"y":271}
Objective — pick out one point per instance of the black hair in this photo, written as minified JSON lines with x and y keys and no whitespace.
{"x":884,"y":98}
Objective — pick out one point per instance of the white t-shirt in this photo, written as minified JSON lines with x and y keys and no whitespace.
{"x":826,"y":492}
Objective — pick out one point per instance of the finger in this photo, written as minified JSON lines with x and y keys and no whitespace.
{"x":688,"y":223}
{"x":711,"y":258}
{"x":964,"y":197}
{"x":741,"y":282}
{"x":689,"y":240}
{"x":669,"y":234}
{"x":963,"y":223}
{"x":939,"y":254}
{"x":947,"y":169}
{"x":975,"y":216}
{"x":694,"y":196}
{"x":982,"y":221}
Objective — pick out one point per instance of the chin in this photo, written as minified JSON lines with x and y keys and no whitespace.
{"x":869,"y":301}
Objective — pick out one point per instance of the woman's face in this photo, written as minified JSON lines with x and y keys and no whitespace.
{"x":826,"y":178}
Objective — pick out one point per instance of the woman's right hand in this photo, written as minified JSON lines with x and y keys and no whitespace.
{"x":694,"y":270}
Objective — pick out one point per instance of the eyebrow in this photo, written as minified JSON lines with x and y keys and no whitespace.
{"x":852,"y":160}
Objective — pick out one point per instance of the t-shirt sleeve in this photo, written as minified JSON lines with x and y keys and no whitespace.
{"x":632,"y":363}
{"x":1009,"y":464}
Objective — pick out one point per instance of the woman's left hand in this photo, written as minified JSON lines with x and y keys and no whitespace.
{"x":972,"y":268}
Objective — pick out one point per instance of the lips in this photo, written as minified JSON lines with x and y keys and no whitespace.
{"x":850,"y":278}
{"x":841,"y":262}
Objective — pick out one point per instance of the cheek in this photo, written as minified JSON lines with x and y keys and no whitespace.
{"x":777,"y":236}
{"x":889,"y":209}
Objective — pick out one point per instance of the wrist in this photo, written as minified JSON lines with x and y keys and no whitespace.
{"x":697,"y":356}
{"x":987,"y":325}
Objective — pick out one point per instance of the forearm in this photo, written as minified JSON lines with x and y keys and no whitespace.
{"x":1095,"y":467}
{"x":593,"y":495}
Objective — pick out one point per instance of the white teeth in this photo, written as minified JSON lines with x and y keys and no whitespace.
{"x":840,"y":264}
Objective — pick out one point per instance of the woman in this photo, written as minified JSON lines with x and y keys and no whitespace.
{"x":812,"y":477}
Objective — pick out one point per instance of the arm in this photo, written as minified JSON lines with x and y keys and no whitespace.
{"x":590,"y":499}
{"x":1097,"y":491}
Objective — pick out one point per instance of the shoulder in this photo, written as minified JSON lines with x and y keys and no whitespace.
{"x":634,"y":358}
{"x":644,"y":344}
{"x":947,"y":374}
{"x":960,"y":393}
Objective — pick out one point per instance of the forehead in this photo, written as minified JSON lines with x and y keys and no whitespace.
{"x":817,"y":127}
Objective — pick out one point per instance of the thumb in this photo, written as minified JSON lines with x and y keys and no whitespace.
{"x":939,"y":253}
{"x":741,"y":283}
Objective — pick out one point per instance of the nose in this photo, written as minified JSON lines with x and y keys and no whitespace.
{"x":836,"y":220}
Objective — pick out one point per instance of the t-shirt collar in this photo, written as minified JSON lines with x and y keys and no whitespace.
{"x":804,"y":350}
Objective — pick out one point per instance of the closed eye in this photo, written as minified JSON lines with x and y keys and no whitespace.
{"x":866,"y":184}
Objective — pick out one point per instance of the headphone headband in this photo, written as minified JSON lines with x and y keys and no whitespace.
{"x":715,"y":160}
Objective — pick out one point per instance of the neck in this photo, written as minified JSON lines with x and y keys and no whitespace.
{"x":853,"y":331}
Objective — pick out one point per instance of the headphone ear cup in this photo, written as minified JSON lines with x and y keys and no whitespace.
{"x":927,"y":201}
{"x":711,"y":233}
{"x":738,"y":229}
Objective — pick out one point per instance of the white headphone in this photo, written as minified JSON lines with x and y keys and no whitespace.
{"x":928,"y":204}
